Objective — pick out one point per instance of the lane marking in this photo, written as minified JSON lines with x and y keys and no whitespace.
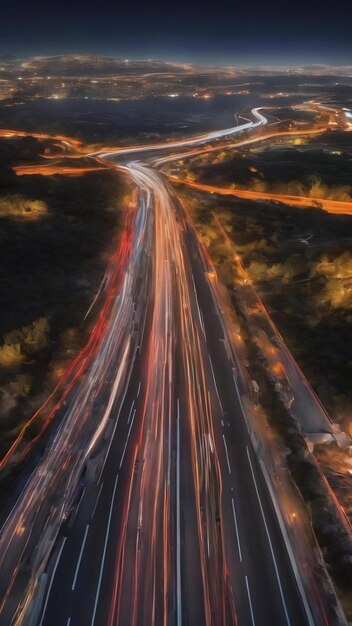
{"x":128,"y":436}
{"x":226,"y":348}
{"x":139,"y":388}
{"x":215,"y":385}
{"x":142,"y":335}
{"x":104,"y":553}
{"x":80,"y":558}
{"x":201,"y":320}
{"x":178,"y":524}
{"x":236,"y":527}
{"x":68,"y":621}
{"x":269,"y":540}
{"x":130,"y":413}
{"x":97,"y":500}
{"x":52,"y":579}
{"x":203,"y":327}
{"x":250,"y":602}
{"x":81,"y":498}
{"x":234,"y":376}
{"x":294,"y":566}
{"x":114,"y":431}
{"x":227,"y":455}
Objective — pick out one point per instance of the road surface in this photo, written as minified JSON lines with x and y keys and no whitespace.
{"x":149,"y":496}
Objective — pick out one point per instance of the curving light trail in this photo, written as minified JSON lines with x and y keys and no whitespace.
{"x":174,"y":525}
{"x":194,"y":141}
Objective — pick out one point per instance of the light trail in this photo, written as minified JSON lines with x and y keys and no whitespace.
{"x":168,"y":543}
{"x":52,"y":170}
{"x":178,"y":523}
{"x":239,"y":144}
{"x":337,"y":207}
{"x":49,"y":494}
{"x":194,"y":141}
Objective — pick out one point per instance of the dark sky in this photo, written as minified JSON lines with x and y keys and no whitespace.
{"x":246,"y":31}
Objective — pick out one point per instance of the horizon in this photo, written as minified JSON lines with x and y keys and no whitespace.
{"x":179,"y":62}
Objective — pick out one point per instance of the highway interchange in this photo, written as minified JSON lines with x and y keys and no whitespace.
{"x":149,"y":496}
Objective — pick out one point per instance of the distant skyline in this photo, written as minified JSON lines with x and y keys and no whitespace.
{"x":221,"y":32}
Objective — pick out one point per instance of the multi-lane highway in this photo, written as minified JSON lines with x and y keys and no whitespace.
{"x":149,"y":498}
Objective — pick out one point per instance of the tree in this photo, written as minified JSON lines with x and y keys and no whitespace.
{"x":32,"y":339}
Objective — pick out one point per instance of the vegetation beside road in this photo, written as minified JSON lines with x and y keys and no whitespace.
{"x":56,"y":235}
{"x":296,"y":167}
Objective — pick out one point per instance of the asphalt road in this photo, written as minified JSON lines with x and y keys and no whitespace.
{"x":181,"y":529}
{"x":172,"y":522}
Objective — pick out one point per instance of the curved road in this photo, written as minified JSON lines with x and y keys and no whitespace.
{"x":150,"y":497}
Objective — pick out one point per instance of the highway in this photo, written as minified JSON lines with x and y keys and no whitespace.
{"x":149,"y":498}
{"x":196,"y":140}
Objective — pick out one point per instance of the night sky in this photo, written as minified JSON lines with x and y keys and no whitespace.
{"x":259,"y":32}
